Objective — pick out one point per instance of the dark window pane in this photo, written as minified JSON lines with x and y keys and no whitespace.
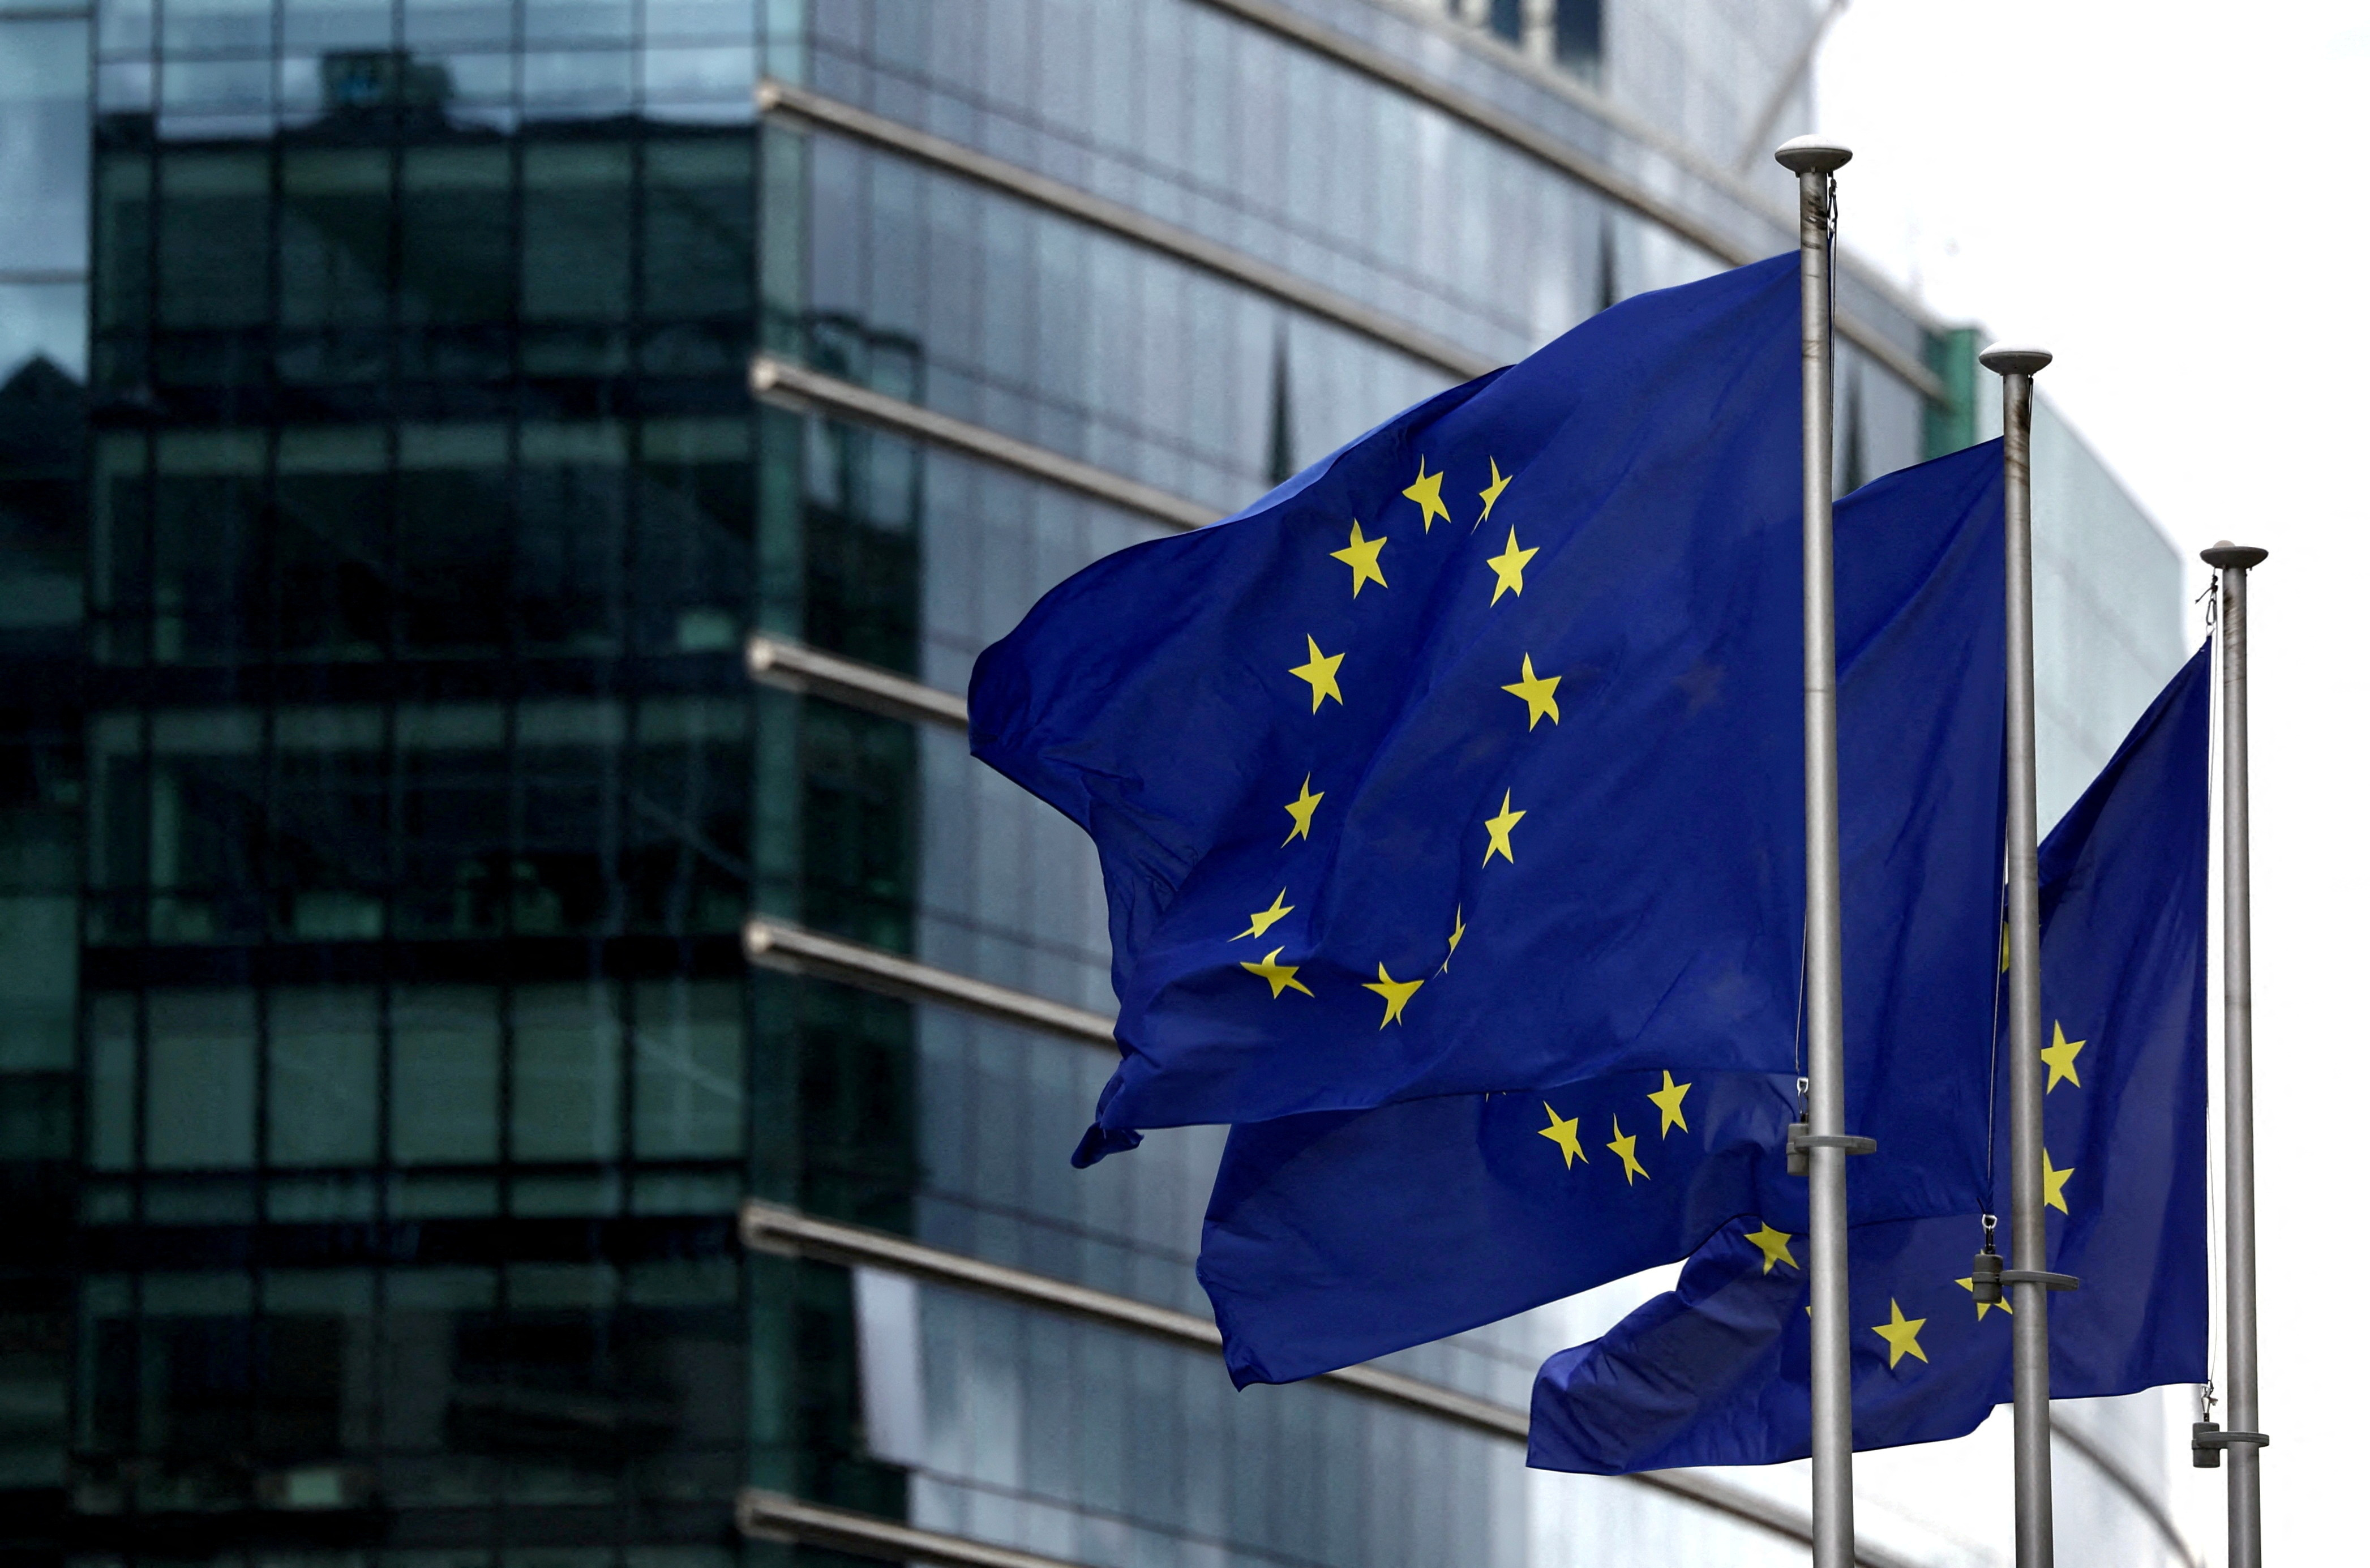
{"x":576,"y":246}
{"x":457,"y":267}
{"x":857,"y":814}
{"x":567,"y":577}
{"x":446,"y":1074}
{"x":336,"y":264}
{"x":1579,"y":35}
{"x":209,"y":528}
{"x":691,"y":564}
{"x":452,"y":539}
{"x":323,"y":1076}
{"x":215,"y":226}
{"x":330,"y":827}
{"x":698,"y":234}
{"x":452,"y":821}
{"x":122,"y":263}
{"x":332,"y":544}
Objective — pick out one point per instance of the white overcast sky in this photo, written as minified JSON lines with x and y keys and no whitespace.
{"x":2171,"y":198}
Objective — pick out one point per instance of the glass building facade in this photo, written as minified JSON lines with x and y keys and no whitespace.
{"x":384,"y":505}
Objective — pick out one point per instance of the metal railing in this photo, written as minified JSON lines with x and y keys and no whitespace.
{"x":787,"y":1232}
{"x":788,"y":385}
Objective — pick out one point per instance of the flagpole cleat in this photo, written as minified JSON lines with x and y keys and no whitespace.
{"x":1801,"y":1141}
{"x":1847,"y":1142}
{"x":2040,"y":1278}
{"x":2206,"y":1441}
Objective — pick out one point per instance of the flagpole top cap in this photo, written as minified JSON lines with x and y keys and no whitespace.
{"x":2015,"y":359}
{"x":2224,"y":556}
{"x":1814,"y":154}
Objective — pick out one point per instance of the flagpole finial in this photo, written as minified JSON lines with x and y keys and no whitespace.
{"x":2015,"y":359}
{"x":1814,"y":155}
{"x":2224,"y":556}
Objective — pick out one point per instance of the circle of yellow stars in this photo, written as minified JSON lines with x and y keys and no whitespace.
{"x":1322,"y":671}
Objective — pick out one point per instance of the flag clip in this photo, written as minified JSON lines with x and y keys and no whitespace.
{"x":1985,"y":1279}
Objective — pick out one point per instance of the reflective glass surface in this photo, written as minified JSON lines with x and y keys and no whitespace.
{"x":382,"y":791}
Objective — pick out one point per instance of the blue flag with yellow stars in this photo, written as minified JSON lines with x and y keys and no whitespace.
{"x":1515,"y":678}
{"x":1335,"y":1237}
{"x":1718,"y":1371}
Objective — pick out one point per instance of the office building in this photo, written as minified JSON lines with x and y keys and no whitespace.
{"x":409,"y":407}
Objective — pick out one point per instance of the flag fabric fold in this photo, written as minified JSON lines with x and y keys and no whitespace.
{"x":1470,"y":759}
{"x":1336,"y":1236}
{"x":1716,"y":1371}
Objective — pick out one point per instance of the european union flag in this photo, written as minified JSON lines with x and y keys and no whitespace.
{"x":1336,"y":1236}
{"x":1718,"y":1372}
{"x":1514,"y":681}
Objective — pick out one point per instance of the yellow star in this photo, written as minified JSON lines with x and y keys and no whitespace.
{"x":1776,"y":1248}
{"x":1395,"y":994}
{"x":1539,"y":693}
{"x":2060,"y":1053}
{"x":1425,"y":492}
{"x":1502,"y":828}
{"x":1456,"y":935}
{"x":1266,"y":917}
{"x":1318,"y":674}
{"x":2003,"y":947}
{"x":1626,"y":1146}
{"x":1278,"y":975}
{"x":1564,"y":1132}
{"x":1302,"y":811}
{"x":1498,"y":482}
{"x":1509,"y":566}
{"x":1902,"y":1335}
{"x":1666,"y":1099}
{"x":1360,"y":558}
{"x":2052,"y":1184}
{"x":1983,"y":1308}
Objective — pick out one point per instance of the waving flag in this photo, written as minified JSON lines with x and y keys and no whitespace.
{"x":1337,"y":1237}
{"x":1718,"y":1371}
{"x":1469,"y":760}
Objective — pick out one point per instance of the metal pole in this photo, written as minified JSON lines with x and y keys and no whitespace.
{"x":2028,"y":1229}
{"x":2244,"y":1441}
{"x":1813,"y":160}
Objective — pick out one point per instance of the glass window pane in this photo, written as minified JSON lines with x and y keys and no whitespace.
{"x":37,"y":983}
{"x":200,"y":1079}
{"x":337,"y":24}
{"x":687,"y":1051}
{"x":113,"y":1062}
{"x":336,"y":226}
{"x":456,"y":263}
{"x":124,"y":239}
{"x":565,"y":1081}
{"x":452,"y":550}
{"x":568,"y":567}
{"x":214,"y":27}
{"x":577,"y":244}
{"x":699,"y":227}
{"x":331,"y":543}
{"x":447,"y":1075}
{"x":215,"y":222}
{"x":324,"y":1084}
{"x":44,"y":124}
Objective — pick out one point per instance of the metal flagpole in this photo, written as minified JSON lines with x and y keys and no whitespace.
{"x":2028,"y":1277}
{"x":1813,"y":160}
{"x":2246,"y":1442}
